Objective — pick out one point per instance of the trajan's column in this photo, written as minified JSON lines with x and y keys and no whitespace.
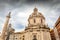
{"x":4,"y":31}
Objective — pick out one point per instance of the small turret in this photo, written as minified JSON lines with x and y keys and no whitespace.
{"x":35,"y":10}
{"x":11,"y":30}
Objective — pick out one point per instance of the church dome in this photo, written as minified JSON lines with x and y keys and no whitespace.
{"x":36,"y":14}
{"x":36,"y":18}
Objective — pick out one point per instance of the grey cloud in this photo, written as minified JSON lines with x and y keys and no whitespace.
{"x":57,"y":9}
{"x":56,"y":0}
{"x":29,"y":1}
{"x":17,"y":3}
{"x":9,"y":0}
{"x":38,"y":0}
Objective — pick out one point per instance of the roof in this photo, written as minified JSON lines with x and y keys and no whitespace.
{"x":58,"y":21}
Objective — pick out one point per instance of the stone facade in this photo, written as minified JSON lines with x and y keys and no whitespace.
{"x":52,"y":34}
{"x":36,"y":29}
{"x":0,"y":35}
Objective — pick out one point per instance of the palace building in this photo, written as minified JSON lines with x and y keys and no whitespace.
{"x":57,"y":25}
{"x":55,"y":32}
{"x":52,"y":34}
{"x":57,"y":29}
{"x":36,"y":29}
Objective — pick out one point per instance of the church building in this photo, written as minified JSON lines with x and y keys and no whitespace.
{"x":36,"y":29}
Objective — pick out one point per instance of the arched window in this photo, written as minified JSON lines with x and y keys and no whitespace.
{"x":23,"y":38}
{"x":34,"y":37}
{"x":34,"y":20}
{"x":41,"y":20}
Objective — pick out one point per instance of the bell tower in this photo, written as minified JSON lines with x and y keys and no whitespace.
{"x":4,"y":31}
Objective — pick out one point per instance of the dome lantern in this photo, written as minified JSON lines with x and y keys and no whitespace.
{"x":35,"y":9}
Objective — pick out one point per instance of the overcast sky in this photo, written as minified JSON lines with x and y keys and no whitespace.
{"x":21,"y":9}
